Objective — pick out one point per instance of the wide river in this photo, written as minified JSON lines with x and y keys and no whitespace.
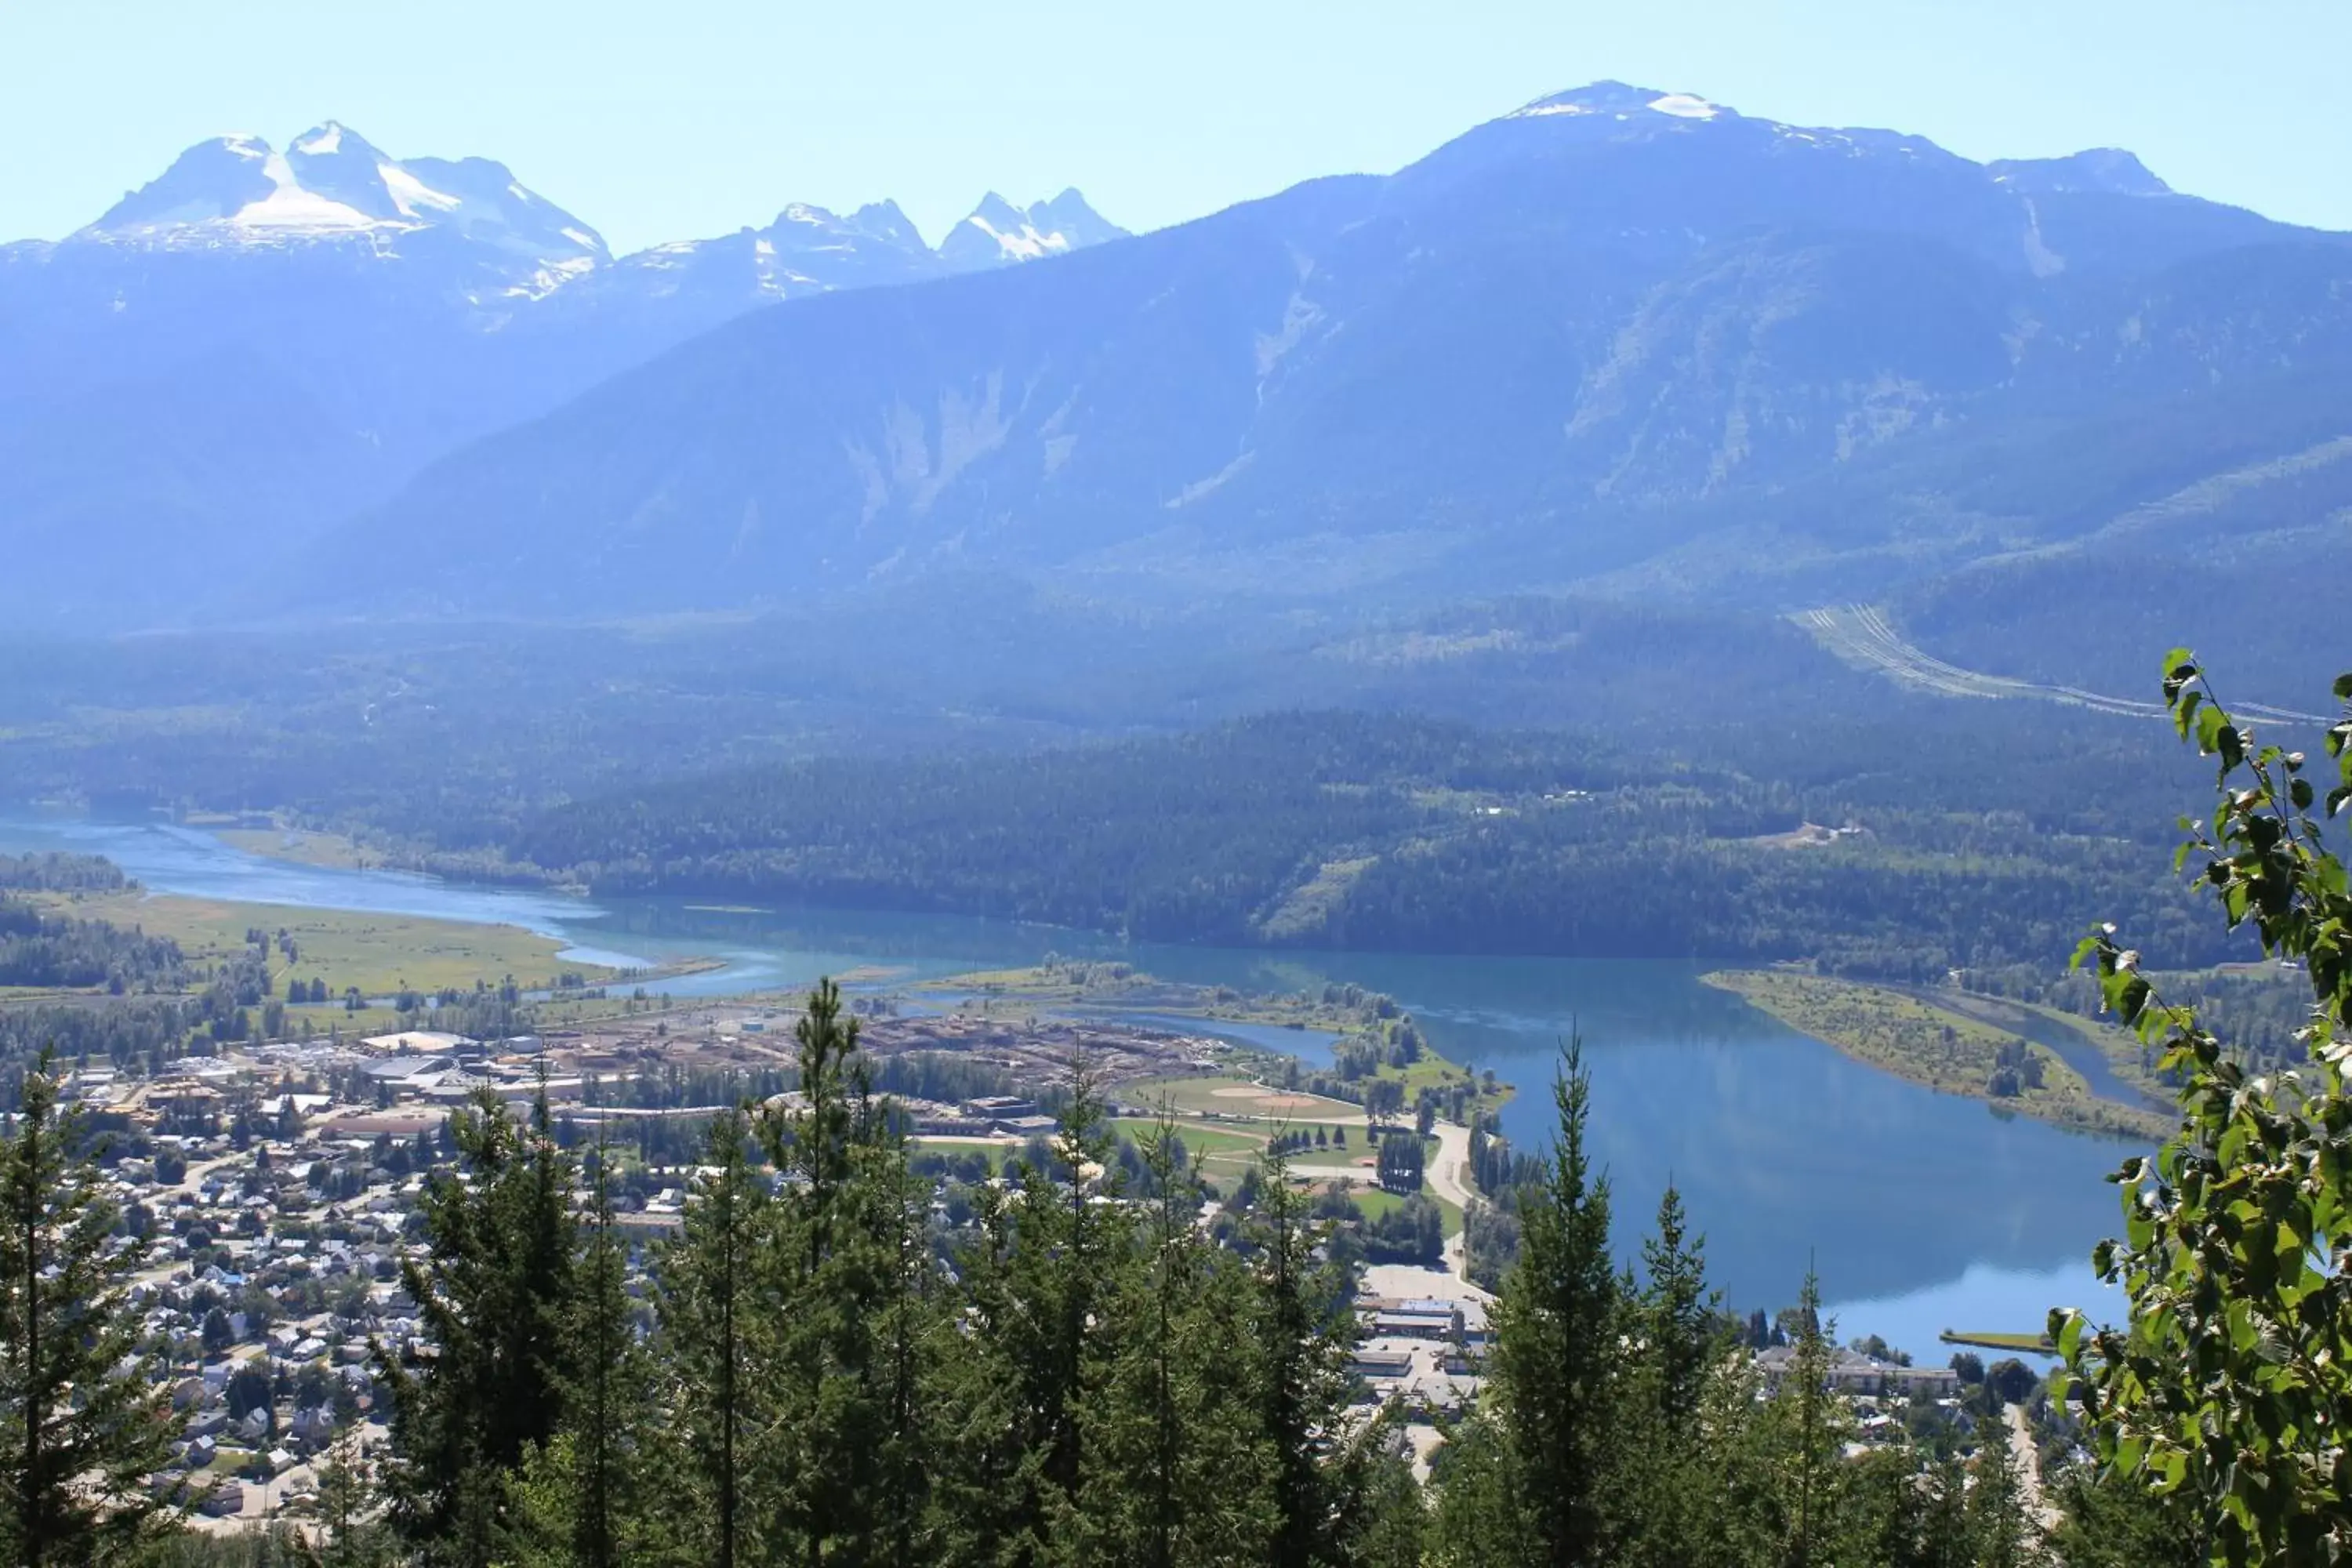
{"x":1921,"y":1211}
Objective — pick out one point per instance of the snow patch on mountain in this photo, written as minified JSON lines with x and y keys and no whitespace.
{"x":1684,"y":106}
{"x":1617,"y":102}
{"x":997,"y":232}
{"x":332,"y":187}
{"x":291,"y":208}
{"x":412,"y":196}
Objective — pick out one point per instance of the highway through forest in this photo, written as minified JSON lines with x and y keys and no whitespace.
{"x":1860,"y":635}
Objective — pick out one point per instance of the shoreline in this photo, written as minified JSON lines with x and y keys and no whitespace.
{"x":1901,"y":1032}
{"x":1117,"y":990}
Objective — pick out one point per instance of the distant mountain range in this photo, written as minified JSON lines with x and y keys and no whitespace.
{"x":259,"y":343}
{"x":1618,"y":341}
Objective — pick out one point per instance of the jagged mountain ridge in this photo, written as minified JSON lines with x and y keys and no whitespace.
{"x":668,"y":293}
{"x":1618,"y":338}
{"x":259,"y":343}
{"x":331,"y":184}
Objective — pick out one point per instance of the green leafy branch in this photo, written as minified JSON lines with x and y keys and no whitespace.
{"x":2231,"y":1388}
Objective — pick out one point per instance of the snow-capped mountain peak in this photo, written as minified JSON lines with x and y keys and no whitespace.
{"x":319,"y":141}
{"x":1615,"y":101}
{"x":997,"y":232}
{"x":211,"y":182}
{"x":331,"y":184}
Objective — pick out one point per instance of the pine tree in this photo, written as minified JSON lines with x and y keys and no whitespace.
{"x":1674,"y":1343}
{"x":350,"y":1535}
{"x":984,"y":1480}
{"x":1306,"y":1332}
{"x":1480,"y":1516}
{"x":582,"y":1494}
{"x":82,"y":1423}
{"x":2001,"y":1534}
{"x":1679,"y":1317}
{"x":1172,"y":1479}
{"x":495,"y":1292}
{"x":712,"y":1301}
{"x":910,"y":1326}
{"x":1556,"y":1330}
{"x":1396,"y":1529}
{"x":1808,"y":1430}
{"x":1036,"y":1292}
{"x":1897,"y":1514}
{"x":844,"y":1451}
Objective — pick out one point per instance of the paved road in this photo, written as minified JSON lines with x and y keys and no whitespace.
{"x":1447,"y":1174}
{"x":1861,"y":635}
{"x":2028,"y":1466}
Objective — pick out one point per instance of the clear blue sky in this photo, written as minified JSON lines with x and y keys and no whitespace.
{"x":668,"y":119}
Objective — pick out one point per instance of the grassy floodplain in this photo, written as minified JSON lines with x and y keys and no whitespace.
{"x":302,"y":846}
{"x":1934,"y":1047}
{"x":379,"y":953}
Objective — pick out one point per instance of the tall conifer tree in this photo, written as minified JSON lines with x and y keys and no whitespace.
{"x":713,"y":1304}
{"x":1674,"y":1347}
{"x":583,"y":1496}
{"x":843,"y":1456}
{"x":82,"y":1424}
{"x":1555,"y":1343}
{"x":1173,"y":1479}
{"x":1307,"y":1332}
{"x":495,"y":1291}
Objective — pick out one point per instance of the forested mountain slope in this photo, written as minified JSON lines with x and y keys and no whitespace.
{"x":1618,"y":337}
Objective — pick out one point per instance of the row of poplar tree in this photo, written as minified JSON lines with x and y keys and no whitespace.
{"x":812,"y":1371}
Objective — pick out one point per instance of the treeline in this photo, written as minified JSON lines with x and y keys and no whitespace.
{"x":139,"y":1033}
{"x":52,"y":951}
{"x":53,"y":872}
{"x":2261,"y":1011}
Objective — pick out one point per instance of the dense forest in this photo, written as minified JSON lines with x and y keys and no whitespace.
{"x":1352,"y":831}
{"x":1499,"y":776}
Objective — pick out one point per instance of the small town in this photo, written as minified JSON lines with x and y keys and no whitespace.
{"x":275,"y":1188}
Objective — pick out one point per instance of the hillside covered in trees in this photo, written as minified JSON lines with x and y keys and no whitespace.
{"x":828,"y":1363}
{"x":1352,"y":831}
